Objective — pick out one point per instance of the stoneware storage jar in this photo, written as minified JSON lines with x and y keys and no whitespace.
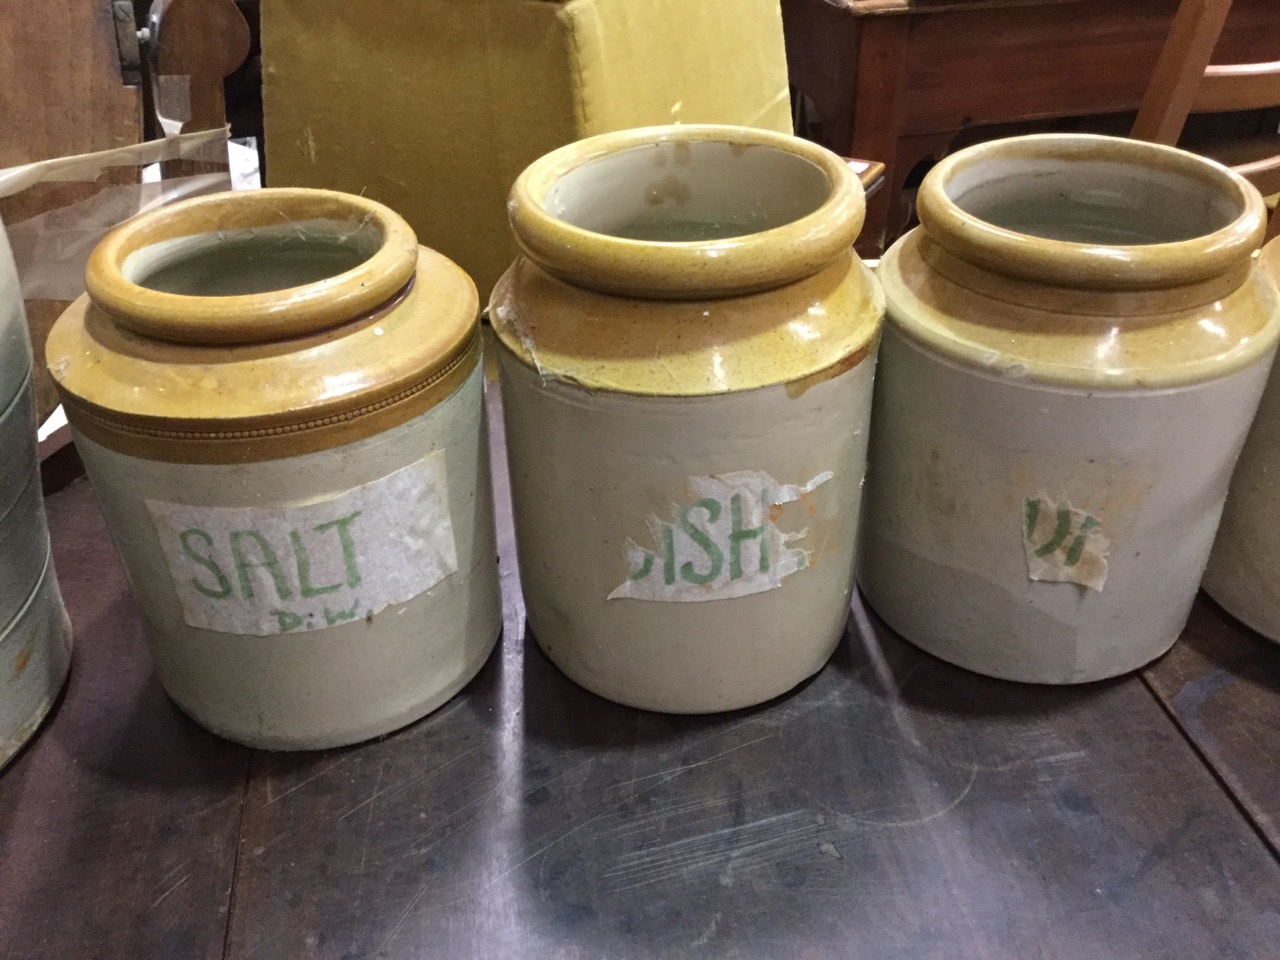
{"x":1076,"y":343}
{"x":35,"y":634}
{"x":277,"y":396}
{"x":1244,"y":568}
{"x":687,"y":350}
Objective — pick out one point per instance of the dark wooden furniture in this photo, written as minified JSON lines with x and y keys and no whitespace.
{"x":63,"y":91}
{"x":74,"y":79}
{"x":897,"y":80}
{"x":893,"y":807}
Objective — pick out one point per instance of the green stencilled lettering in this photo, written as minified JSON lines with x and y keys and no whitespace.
{"x":645,"y":568}
{"x":738,"y":535}
{"x":303,"y":560}
{"x":349,"y":558}
{"x":223,"y":589}
{"x":698,"y":536}
{"x":339,"y":616}
{"x":668,"y":555}
{"x":286,"y":620}
{"x":268,"y":562}
{"x":1076,"y":550}
{"x":1031,"y":510}
{"x":1060,"y":533}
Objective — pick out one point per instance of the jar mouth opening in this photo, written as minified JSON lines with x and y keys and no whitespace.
{"x":688,"y":191}
{"x":1092,"y":201}
{"x":1091,"y":210}
{"x":252,"y":260}
{"x":686,"y":211}
{"x":251,"y":266}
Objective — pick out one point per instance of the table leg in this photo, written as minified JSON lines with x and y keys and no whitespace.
{"x":877,"y":115}
{"x":911,"y":150}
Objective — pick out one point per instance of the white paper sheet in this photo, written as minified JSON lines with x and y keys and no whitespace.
{"x":282,"y":568}
{"x":1063,"y":544}
{"x":722,"y":544}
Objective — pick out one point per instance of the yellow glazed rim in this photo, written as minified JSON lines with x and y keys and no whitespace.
{"x":192,"y":379}
{"x":732,"y":266}
{"x":1092,"y":266}
{"x":797,"y":334}
{"x":258,"y":317}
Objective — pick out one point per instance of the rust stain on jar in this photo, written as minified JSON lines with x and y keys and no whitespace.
{"x":20,"y":664}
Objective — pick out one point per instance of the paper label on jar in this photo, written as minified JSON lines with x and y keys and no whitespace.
{"x":1063,"y":544}
{"x":723,"y":543}
{"x":285,"y":568}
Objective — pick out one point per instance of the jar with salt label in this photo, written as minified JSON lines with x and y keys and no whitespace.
{"x":278,"y":397}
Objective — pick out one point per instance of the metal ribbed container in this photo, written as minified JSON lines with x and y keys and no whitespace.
{"x":35,"y":635}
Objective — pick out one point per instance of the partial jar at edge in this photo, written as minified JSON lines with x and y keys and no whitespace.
{"x":35,"y":634}
{"x":278,"y":398}
{"x":1244,"y":568}
{"x":687,"y":349}
{"x":1075,"y":346}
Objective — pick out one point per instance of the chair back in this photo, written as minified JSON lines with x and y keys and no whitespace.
{"x":1184,"y":82}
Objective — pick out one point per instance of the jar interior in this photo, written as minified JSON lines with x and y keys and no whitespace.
{"x":228,"y":263}
{"x":688,"y":190}
{"x":1092,"y":201}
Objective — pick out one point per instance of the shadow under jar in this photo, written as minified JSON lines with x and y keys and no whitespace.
{"x":1076,"y":343}
{"x":278,"y":397}
{"x":687,"y":352}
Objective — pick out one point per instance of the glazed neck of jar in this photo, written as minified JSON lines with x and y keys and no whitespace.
{"x":1081,"y":222}
{"x":686,"y":212}
{"x":252,"y":267}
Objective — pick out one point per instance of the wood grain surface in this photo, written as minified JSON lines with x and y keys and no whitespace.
{"x":61,"y":93}
{"x":60,"y":82}
{"x":118,"y":824}
{"x":892,"y":807}
{"x":1222,"y":684}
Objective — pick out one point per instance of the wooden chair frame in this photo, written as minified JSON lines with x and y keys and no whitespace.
{"x":1184,"y":82}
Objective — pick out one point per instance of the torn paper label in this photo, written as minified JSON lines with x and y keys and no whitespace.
{"x":722,"y":544}
{"x":1063,"y":544}
{"x":292,"y":567}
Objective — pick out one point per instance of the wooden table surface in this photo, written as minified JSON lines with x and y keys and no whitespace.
{"x":892,"y":807}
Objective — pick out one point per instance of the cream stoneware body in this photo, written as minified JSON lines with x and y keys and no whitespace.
{"x":1244,"y":569}
{"x":278,"y":398}
{"x":35,"y":635}
{"x":687,"y":352}
{"x":1075,"y":346}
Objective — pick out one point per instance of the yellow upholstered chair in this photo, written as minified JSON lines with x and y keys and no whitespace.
{"x":434,"y":106}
